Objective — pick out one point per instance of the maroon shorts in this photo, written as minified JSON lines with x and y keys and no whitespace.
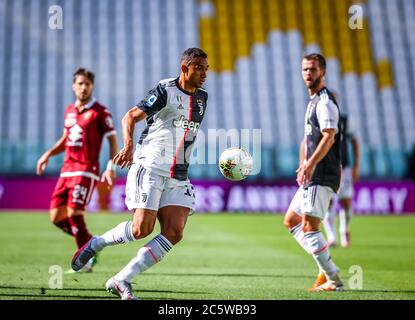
{"x":73,"y":192}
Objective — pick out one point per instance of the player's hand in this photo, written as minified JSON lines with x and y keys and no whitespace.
{"x":304,"y":173}
{"x":124,"y":157}
{"x":299,"y":172}
{"x":108,"y":177}
{"x":42,"y":164}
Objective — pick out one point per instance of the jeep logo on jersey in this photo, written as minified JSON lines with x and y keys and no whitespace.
{"x":75,"y":134}
{"x":182,"y":122}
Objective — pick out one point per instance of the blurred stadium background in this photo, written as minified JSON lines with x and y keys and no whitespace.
{"x":255,"y":49}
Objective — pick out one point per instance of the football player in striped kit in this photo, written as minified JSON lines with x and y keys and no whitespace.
{"x":318,"y":175}
{"x":157,"y":186}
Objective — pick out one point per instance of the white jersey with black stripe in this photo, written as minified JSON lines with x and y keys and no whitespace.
{"x":174,"y":118}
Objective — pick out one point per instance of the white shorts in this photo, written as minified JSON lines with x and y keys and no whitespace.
{"x":148,"y":190}
{"x":313,"y":201}
{"x":346,"y":184}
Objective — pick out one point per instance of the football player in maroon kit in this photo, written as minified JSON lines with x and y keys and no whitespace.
{"x":87,"y":122}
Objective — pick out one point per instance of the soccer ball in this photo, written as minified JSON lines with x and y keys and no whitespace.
{"x":235,"y":164}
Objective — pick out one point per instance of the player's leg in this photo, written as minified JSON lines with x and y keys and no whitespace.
{"x":79,"y":228}
{"x":58,"y":213}
{"x":59,"y":217}
{"x":293,"y":220}
{"x":329,"y":224}
{"x":143,"y":192}
{"x":127,"y":231}
{"x":316,"y":202}
{"x":176,"y":201}
{"x":320,"y":252}
{"x":80,"y":193}
{"x":293,"y":223}
{"x":317,"y":244}
{"x":345,"y":214}
{"x":82,"y":236}
{"x":172,"y":221}
{"x":80,"y":190}
{"x":143,"y":224}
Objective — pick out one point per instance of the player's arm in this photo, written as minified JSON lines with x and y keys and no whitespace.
{"x":57,"y":148}
{"x":323,"y":147}
{"x":328,"y":118}
{"x":110,"y":174}
{"x":301,"y":155}
{"x":356,"y":158}
{"x":125,"y":156}
{"x":155,"y":101}
{"x":321,"y":151}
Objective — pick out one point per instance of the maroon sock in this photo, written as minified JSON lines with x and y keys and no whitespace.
{"x":65,"y":226}
{"x":79,"y":230}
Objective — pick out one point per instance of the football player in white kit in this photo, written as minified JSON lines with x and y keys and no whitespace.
{"x":157,"y":185}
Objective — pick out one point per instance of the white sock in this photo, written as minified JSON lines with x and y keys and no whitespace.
{"x":345,"y":217}
{"x":319,"y":250}
{"x":298,"y":235}
{"x":329,"y":224}
{"x":122,"y":233}
{"x":146,"y":257}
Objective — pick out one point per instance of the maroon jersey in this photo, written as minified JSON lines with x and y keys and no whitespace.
{"x":86,"y":131}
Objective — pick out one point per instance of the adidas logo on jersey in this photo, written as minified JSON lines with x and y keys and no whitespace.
{"x":182,"y":122}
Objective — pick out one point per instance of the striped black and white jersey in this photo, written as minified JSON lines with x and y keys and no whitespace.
{"x":323,"y":113}
{"x":174,"y":118}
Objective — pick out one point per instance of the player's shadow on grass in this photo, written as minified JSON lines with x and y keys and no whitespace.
{"x":228,"y":275}
{"x":83,"y":289}
{"x":382,"y":291}
{"x":47,"y":296}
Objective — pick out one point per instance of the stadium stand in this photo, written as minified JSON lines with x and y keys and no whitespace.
{"x":254,"y":48}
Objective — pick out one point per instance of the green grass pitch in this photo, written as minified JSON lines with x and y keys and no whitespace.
{"x":222,"y":256}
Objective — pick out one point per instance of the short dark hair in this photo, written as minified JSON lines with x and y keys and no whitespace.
{"x":84,"y":72}
{"x":317,"y":57}
{"x":192,"y":53}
